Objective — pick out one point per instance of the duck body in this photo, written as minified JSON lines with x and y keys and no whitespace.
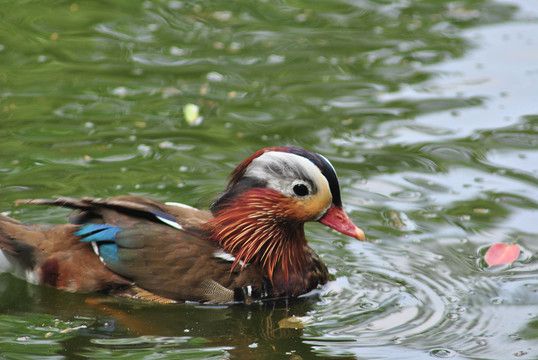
{"x":249,"y":246}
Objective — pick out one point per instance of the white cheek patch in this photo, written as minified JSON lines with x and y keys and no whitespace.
{"x":288,"y":168}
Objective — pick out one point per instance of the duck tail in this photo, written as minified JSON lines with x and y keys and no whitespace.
{"x":16,"y":257}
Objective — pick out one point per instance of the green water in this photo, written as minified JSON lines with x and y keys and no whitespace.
{"x":427,"y":109}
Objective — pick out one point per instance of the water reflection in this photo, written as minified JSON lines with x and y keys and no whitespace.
{"x":89,"y":324}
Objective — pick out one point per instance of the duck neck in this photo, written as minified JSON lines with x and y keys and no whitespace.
{"x":255,"y":229}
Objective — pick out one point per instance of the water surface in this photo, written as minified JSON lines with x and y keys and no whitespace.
{"x":427,"y":109}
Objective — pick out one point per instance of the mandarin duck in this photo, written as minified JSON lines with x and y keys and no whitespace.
{"x":250,"y":246}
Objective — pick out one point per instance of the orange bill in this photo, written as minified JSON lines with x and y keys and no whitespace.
{"x":337,"y":219}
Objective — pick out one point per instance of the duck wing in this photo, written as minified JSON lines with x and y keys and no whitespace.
{"x":160,"y":248}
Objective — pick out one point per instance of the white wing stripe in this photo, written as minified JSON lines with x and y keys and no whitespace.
{"x":170,"y":222}
{"x":171,"y":203}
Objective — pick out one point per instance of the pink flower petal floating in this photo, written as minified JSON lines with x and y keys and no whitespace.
{"x":500,"y":254}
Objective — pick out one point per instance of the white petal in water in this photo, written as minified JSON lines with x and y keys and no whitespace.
{"x":191,"y":113}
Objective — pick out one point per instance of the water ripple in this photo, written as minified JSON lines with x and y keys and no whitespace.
{"x":380,"y":305}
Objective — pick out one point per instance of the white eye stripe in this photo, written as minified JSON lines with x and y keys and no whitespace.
{"x":283,"y":170}
{"x":328,"y":162}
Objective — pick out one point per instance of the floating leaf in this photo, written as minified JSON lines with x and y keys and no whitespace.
{"x":191,"y":113}
{"x":500,"y":254}
{"x":396,"y":220}
{"x":295,"y":322}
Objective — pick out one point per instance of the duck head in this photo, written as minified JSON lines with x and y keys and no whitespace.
{"x":261,"y":215}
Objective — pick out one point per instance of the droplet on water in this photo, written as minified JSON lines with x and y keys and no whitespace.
{"x":368,"y":305}
{"x":442,"y":353}
{"x":496,"y":301}
{"x":520,"y":353}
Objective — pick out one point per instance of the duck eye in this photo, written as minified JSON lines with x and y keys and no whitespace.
{"x":300,"y":189}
